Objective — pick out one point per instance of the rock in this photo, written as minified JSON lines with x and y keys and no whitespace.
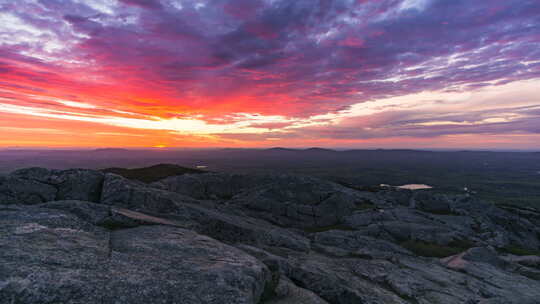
{"x":86,"y":211}
{"x":300,"y":201}
{"x":484,"y":226}
{"x":400,"y":224}
{"x":123,"y":218}
{"x":431,"y":203}
{"x":281,"y":199}
{"x":21,"y":191}
{"x":528,"y":266}
{"x":531,"y":214}
{"x":397,"y":196}
{"x":477,"y":254}
{"x":121,"y":192}
{"x":483,"y":255}
{"x":354,"y":244}
{"x":278,"y":239}
{"x":73,"y":184}
{"x":234,"y":229}
{"x":289,"y":293}
{"x":334,"y":281}
{"x":179,"y":265}
{"x":191,"y":213}
{"x":211,"y":185}
{"x":107,"y":216}
{"x":496,"y":280}
{"x":50,"y":256}
{"x":227,"y":228}
{"x":527,"y":260}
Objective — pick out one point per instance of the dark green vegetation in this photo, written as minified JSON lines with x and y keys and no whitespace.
{"x":435,"y":250}
{"x":501,"y":177}
{"x":365,"y":206}
{"x":153,"y":173}
{"x":520,"y":251}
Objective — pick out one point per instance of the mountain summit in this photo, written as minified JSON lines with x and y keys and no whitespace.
{"x":83,"y":236}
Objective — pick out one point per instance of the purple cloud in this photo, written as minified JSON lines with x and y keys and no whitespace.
{"x":150,"y":4}
{"x":296,"y":59}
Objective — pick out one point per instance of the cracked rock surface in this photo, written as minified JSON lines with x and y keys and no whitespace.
{"x":81,"y":236}
{"x":51,"y":256}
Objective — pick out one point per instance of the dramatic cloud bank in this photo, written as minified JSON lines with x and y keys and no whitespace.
{"x":346,"y":73}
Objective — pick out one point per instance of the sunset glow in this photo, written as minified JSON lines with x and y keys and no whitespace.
{"x":259,"y":73}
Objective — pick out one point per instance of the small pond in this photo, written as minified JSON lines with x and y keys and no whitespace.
{"x":415,"y":187}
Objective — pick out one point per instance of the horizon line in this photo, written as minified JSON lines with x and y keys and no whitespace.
{"x":334,"y":149}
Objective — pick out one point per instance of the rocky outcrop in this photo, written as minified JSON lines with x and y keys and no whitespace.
{"x":38,"y":185}
{"x":80,"y":236}
{"x":284,"y":200}
{"x":212,"y":185}
{"x":51,"y":256}
{"x":472,"y":221}
{"x":15,"y":190}
{"x":118,"y":191}
{"x":204,"y":217}
{"x":301,"y":201}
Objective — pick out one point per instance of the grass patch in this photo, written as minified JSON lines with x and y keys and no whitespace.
{"x":365,"y":206}
{"x":520,"y":251}
{"x":464,"y":244}
{"x":441,"y":212}
{"x":328,"y":228}
{"x":426,"y":249}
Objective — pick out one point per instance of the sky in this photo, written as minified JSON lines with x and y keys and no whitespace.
{"x":262,"y":73}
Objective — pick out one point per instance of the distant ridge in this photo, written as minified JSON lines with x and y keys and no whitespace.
{"x":385,"y":150}
{"x":110,"y":150}
{"x":153,"y":173}
{"x":281,"y":149}
{"x":317,"y":149}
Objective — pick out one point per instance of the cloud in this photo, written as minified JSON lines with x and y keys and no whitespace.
{"x":298,"y":60}
{"x":150,"y":4}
